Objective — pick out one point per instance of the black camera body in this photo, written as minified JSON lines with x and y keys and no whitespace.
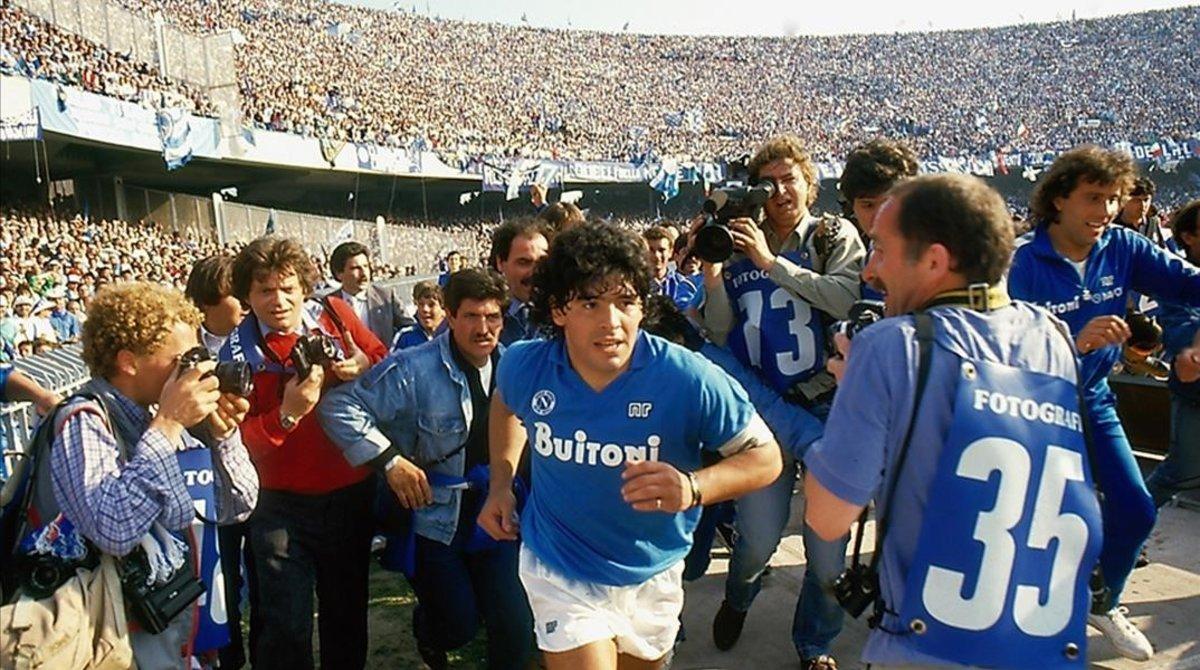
{"x":313,"y":350}
{"x":862,"y":314}
{"x":40,"y":575}
{"x":232,"y":376}
{"x":714,"y":242}
{"x":153,"y":606}
{"x":1145,"y":333}
{"x":857,"y":588}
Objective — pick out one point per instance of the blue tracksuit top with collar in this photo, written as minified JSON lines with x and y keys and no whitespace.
{"x":1121,"y":261}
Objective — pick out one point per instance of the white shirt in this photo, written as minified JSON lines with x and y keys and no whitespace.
{"x":358,"y":303}
{"x":211,"y":342}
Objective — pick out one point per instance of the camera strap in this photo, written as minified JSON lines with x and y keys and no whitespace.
{"x":925,"y":335}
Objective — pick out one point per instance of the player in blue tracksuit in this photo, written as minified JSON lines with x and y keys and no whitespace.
{"x":1082,"y":269}
{"x":616,"y":420}
{"x":1181,"y":342}
{"x":960,"y":417}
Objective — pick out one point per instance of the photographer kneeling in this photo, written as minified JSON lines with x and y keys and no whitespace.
{"x":117,"y":468}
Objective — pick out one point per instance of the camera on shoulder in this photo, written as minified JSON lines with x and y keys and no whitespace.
{"x":737,"y":197}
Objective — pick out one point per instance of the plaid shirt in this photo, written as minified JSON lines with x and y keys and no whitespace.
{"x":113,"y":504}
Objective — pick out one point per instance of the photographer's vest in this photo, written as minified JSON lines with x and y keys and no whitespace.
{"x":1011,"y":527}
{"x":196,"y":464}
{"x":775,"y":331}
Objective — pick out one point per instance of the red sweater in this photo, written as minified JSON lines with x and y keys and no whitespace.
{"x":304,"y":460}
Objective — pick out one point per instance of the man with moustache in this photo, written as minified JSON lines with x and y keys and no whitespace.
{"x":517,"y":246}
{"x":421,"y":418}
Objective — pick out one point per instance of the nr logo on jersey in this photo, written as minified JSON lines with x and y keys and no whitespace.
{"x":640,"y":410}
{"x":543,"y":402}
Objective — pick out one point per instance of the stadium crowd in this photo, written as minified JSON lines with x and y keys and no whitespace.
{"x":32,"y":47}
{"x":329,"y":70}
{"x":47,"y":257}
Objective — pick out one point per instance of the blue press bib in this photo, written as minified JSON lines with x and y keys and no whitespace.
{"x":213,"y":631}
{"x":1011,"y":528}
{"x":775,"y":331}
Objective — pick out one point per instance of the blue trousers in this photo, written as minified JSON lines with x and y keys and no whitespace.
{"x":1181,"y":470}
{"x":1127,"y":510}
{"x":456,"y":588}
{"x":761,"y":518}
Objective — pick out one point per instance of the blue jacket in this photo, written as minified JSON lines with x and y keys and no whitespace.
{"x":793,"y":426}
{"x":1180,"y":325}
{"x":1120,"y":262}
{"x":417,"y":400}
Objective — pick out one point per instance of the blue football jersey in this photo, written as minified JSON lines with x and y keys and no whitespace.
{"x":667,"y":406}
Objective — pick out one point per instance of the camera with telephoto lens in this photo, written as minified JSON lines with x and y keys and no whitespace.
{"x":232,"y":376}
{"x":862,"y":314}
{"x":154,"y":605}
{"x":313,"y":350}
{"x":738,"y":197}
{"x":856,"y":589}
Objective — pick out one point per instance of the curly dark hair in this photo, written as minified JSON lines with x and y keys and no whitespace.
{"x":1087,"y":163}
{"x":874,"y":167}
{"x":587,"y":260}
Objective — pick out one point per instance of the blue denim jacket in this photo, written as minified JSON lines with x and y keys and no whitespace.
{"x":417,"y":400}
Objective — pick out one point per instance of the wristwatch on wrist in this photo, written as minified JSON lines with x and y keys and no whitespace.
{"x":287,"y":421}
{"x":695,"y":482}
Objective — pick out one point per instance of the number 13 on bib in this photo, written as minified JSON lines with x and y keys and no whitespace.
{"x":1011,"y":528}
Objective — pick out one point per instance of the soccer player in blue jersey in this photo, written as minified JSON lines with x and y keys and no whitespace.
{"x":962,"y":422}
{"x":770,"y":304}
{"x":616,"y":419}
{"x":1082,"y":269}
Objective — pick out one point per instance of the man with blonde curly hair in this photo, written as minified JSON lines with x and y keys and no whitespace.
{"x":122,"y":473}
{"x":769,"y":303}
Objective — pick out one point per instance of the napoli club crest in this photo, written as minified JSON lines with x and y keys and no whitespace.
{"x":543,"y":402}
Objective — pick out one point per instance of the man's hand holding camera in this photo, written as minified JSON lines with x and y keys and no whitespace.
{"x":1101,"y":332}
{"x":749,"y":239}
{"x":188,"y":397}
{"x":300,"y":395}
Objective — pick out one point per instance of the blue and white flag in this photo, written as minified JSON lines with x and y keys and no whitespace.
{"x":175,"y":132}
{"x":666,"y":180}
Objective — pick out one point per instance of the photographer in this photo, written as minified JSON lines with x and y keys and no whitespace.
{"x":921,"y":425}
{"x":210,"y":288}
{"x":313,"y":524}
{"x":770,"y":303}
{"x":117,"y":469}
